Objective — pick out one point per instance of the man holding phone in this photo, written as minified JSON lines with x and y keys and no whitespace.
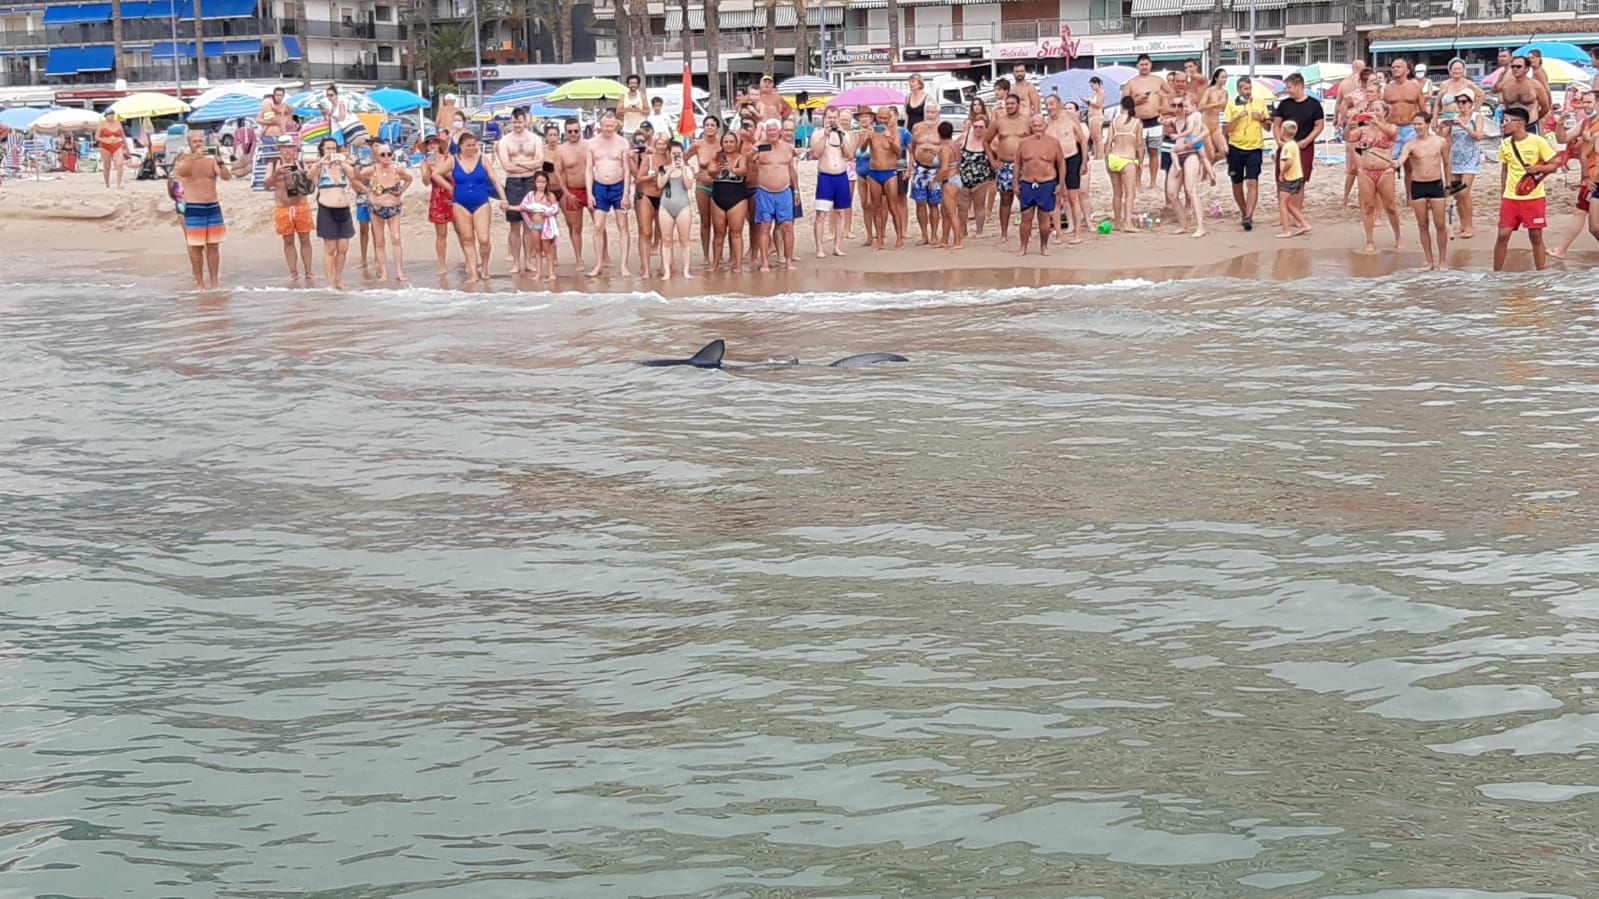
{"x":1245,"y":140}
{"x":203,"y":227}
{"x":774,"y":194}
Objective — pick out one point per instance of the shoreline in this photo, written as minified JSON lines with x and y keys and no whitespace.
{"x":62,"y":218}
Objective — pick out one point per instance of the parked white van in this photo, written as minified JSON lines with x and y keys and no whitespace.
{"x":943,"y":87}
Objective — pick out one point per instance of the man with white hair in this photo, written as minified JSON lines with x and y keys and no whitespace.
{"x":834,"y":151}
{"x":775,"y":174}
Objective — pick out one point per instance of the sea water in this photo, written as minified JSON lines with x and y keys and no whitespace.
{"x":1210,"y":588}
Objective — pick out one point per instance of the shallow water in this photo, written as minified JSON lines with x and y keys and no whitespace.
{"x":1216,"y":588}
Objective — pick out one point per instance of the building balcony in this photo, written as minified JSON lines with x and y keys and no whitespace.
{"x":391,"y":73}
{"x":347,"y":30}
{"x":20,"y":78}
{"x":10,"y":39}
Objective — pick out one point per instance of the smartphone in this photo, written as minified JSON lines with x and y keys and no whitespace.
{"x":880,"y":127}
{"x":1450,"y":115}
{"x":549,"y":168}
{"x":763,"y":148}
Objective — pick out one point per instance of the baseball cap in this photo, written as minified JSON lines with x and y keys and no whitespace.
{"x":286,"y":140}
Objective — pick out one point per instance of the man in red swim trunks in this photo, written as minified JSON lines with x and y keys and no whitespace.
{"x":572,"y":163}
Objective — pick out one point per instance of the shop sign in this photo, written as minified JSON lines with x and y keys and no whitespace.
{"x":876,"y":56}
{"x":1261,"y":45}
{"x":1064,"y":47}
{"x":1152,"y":46}
{"x":942,"y":54}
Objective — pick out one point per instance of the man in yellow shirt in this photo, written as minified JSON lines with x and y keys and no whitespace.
{"x":1245,"y":139}
{"x":1522,"y":157}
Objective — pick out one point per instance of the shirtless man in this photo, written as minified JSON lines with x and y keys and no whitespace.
{"x":1040,"y":169}
{"x":1008,"y":129}
{"x":1067,"y":130}
{"x":882,"y":177}
{"x":1001,"y":92}
{"x":1347,"y":89}
{"x":1151,"y":94}
{"x":1426,"y":163}
{"x":774,"y":194}
{"x":608,"y":183}
{"x":1404,"y":97}
{"x":291,"y":214}
{"x":203,"y":228}
{"x":1196,"y":82}
{"x":274,"y":115}
{"x":521,"y":156}
{"x":927,"y":161}
{"x":705,"y":151}
{"x":1520,"y":90}
{"x":572,"y":163}
{"x":769,"y":103}
{"x":1031,"y":103}
{"x":833,"y":148}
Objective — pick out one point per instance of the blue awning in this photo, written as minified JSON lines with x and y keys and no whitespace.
{"x":152,"y":9}
{"x":72,"y":60}
{"x":218,"y":9}
{"x":1507,"y":41}
{"x":83,"y":12}
{"x":291,"y":48}
{"x":163,"y":50}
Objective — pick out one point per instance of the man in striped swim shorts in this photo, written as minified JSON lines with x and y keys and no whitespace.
{"x":197,"y":172}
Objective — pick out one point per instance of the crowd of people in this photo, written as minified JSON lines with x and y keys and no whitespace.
{"x":1407,"y":140}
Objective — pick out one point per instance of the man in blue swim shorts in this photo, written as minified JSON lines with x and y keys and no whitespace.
{"x":1009,"y":128}
{"x":1404,"y":97}
{"x":1040,"y":169}
{"x":610,"y":188}
{"x":776,"y":172}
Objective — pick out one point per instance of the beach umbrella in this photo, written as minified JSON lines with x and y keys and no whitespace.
{"x":22,"y":117}
{"x":805,"y":84}
{"x":397,"y":100}
{"x":534,"y":111}
{"x":148,"y":105}
{"x":1072,"y":84}
{"x":1559,"y":72}
{"x":248,"y":88}
{"x":585,"y":92}
{"x":305,"y":103}
{"x":1325,"y":71}
{"x":66,"y":121}
{"x":1119,"y":74}
{"x":522,"y":93}
{"x":868,"y":95}
{"x":685,"y":121}
{"x":1264,"y":88}
{"x":1557,"y":50}
{"x":229,"y":106}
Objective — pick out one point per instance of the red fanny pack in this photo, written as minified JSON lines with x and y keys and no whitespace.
{"x":1530,"y":182}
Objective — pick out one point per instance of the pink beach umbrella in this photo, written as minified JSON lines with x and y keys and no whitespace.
{"x":868,"y":95}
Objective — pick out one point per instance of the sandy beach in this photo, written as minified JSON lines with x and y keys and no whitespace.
{"x":74,"y":213}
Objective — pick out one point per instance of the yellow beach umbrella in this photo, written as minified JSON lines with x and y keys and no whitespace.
{"x":148,"y":106}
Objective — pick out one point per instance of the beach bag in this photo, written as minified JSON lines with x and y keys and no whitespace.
{"x":1529,"y":182}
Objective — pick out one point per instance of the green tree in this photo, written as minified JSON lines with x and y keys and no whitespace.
{"x":448,"y":48}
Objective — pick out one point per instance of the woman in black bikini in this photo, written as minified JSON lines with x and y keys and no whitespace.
{"x":647,"y":202}
{"x":728,"y":209}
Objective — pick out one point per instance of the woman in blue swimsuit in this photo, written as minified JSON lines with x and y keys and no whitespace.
{"x":474,"y":185}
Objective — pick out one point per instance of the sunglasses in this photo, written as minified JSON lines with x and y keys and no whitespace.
{"x":385,"y":155}
{"x":1518,"y":66}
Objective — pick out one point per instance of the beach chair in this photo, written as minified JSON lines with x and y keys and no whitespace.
{"x":177,"y":142}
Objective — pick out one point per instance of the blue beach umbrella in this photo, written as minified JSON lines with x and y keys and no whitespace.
{"x":227,"y":106}
{"x":396,"y":100}
{"x":306,"y":103}
{"x":22,"y":117}
{"x":1557,"y":50}
{"x":1072,"y":84}
{"x":522,"y":93}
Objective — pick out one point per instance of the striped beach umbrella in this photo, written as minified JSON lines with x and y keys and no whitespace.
{"x":228,"y":106}
{"x":522,"y":93}
{"x":805,"y":84}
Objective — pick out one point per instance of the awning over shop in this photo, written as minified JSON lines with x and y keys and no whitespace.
{"x":1157,"y":7}
{"x":81,"y":13}
{"x":1508,"y":41}
{"x":72,"y":60}
{"x":163,"y":50}
{"x":1426,"y":43}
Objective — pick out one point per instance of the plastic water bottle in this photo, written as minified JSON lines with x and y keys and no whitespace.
{"x":1451,"y":212}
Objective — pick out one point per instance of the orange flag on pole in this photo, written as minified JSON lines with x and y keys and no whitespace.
{"x":686,"y":125}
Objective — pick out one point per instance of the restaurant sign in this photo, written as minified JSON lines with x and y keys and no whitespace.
{"x":1064,"y":47}
{"x":1152,"y":46}
{"x":942,"y":54}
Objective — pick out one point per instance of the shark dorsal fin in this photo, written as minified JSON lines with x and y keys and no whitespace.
{"x":709,"y":356}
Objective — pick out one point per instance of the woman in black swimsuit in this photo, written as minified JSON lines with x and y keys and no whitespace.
{"x":916,"y":103}
{"x":728,"y":209}
{"x":976,"y":174}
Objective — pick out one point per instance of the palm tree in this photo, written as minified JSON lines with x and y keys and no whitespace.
{"x":1351,"y":31}
{"x":688,"y":35}
{"x":893,"y":32}
{"x":771,"y":36}
{"x":448,"y":48}
{"x":116,"y":39}
{"x":563,"y":29}
{"x":713,"y":67}
{"x":199,"y":41}
{"x":1216,"y":13}
{"x":802,"y":38}
{"x":624,"y":38}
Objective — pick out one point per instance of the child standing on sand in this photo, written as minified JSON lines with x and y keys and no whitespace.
{"x":1291,"y":185}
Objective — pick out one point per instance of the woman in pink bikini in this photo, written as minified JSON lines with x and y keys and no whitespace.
{"x":1373,"y":141}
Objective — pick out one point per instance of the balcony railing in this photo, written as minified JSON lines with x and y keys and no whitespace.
{"x":348,"y":30}
{"x":19,"y":79}
{"x":23,"y":39}
{"x":326,"y":71}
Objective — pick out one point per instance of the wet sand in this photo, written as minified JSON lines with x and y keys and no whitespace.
{"x":56,"y":221}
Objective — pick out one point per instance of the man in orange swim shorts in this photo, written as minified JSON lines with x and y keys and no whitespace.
{"x":291,"y":188}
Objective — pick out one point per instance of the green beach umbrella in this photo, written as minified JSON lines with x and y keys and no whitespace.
{"x":585,"y":92}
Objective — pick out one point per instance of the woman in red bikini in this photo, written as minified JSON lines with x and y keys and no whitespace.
{"x":1373,"y":140}
{"x":113,"y":148}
